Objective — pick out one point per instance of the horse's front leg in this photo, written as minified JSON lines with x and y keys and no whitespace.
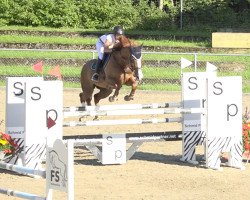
{"x":84,"y":100}
{"x":116,"y":93}
{"x":133,"y":89}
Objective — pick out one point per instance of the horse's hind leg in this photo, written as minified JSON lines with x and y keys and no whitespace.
{"x":115,"y":95}
{"x":84,"y":99}
{"x":102,"y":95}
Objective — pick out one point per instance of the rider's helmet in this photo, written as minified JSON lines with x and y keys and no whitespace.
{"x":118,"y":30}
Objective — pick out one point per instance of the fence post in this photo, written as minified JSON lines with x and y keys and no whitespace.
{"x":195,"y":62}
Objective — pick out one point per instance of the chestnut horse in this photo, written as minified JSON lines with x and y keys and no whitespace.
{"x":123,"y":67}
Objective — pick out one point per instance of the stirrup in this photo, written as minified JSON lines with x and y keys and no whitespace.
{"x":95,"y":77}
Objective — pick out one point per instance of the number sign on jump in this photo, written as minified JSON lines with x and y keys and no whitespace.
{"x":224,"y":131}
{"x":114,"y":149}
{"x":15,"y":105}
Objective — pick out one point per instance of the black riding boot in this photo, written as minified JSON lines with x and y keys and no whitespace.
{"x":95,"y":76}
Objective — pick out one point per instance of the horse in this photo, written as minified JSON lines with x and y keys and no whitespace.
{"x":122,"y":68}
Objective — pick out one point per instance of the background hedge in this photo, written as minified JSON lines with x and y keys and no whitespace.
{"x":132,"y":14}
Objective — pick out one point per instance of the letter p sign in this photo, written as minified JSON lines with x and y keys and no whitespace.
{"x":232,"y":110}
{"x":51,"y":116}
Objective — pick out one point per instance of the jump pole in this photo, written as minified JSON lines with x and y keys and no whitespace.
{"x":122,"y":107}
{"x":122,"y":122}
{"x":131,"y":112}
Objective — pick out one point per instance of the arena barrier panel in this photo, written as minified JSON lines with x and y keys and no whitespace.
{"x":59,"y":172}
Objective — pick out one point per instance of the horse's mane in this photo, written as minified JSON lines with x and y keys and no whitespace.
{"x":127,"y":42}
{"x":124,"y":42}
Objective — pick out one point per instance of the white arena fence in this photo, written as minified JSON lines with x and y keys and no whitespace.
{"x":198,"y":92}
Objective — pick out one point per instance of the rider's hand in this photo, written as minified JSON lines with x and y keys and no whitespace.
{"x":111,"y":46}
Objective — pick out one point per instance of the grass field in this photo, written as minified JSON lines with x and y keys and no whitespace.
{"x":177,"y":32}
{"x":92,"y":40}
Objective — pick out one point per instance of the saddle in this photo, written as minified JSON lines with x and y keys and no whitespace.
{"x":104,"y":62}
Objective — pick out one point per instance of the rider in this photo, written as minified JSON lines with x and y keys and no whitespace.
{"x":105,"y":44}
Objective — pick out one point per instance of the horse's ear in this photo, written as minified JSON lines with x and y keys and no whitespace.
{"x":141,"y":46}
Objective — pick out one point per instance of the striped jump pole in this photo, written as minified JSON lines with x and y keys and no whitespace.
{"x":123,"y":107}
{"x":22,"y":195}
{"x":23,"y":170}
{"x":131,"y":112}
{"x":80,"y":140}
{"x":122,"y":122}
{"x":154,"y":136}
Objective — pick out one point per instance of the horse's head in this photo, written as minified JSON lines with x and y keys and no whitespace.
{"x":129,"y":55}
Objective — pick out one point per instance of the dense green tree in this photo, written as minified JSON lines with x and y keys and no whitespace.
{"x":107,"y":13}
{"x":4,"y":12}
{"x":132,"y":14}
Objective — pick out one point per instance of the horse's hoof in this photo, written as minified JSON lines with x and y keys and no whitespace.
{"x":128,"y":98}
{"x":111,"y":99}
{"x":82,"y":118}
{"x":96,"y":118}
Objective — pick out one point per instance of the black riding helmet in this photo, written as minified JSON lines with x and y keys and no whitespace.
{"x":118,"y":30}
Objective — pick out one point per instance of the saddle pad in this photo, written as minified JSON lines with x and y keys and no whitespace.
{"x":105,"y":60}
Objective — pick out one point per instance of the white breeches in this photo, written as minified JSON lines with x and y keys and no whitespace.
{"x":100,"y":49}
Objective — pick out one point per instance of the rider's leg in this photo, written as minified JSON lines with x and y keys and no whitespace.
{"x":100,"y":50}
{"x":95,"y":76}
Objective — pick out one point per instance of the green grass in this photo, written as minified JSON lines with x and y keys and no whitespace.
{"x":46,"y":54}
{"x":160,"y":72}
{"x":161,"y":87}
{"x":177,"y":32}
{"x":28,"y":71}
{"x":41,"y":28}
{"x":14,"y":38}
{"x":173,"y":43}
{"x":46,"y":39}
{"x":149,"y":72}
{"x":200,"y":57}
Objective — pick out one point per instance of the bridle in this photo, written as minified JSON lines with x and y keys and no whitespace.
{"x":135,"y":55}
